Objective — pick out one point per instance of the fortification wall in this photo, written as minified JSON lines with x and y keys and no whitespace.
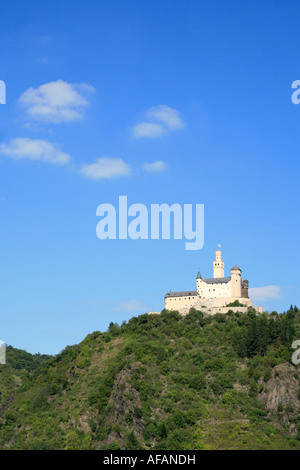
{"x":176,"y":303}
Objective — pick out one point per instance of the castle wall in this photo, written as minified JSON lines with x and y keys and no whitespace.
{"x":213,"y":291}
{"x":176,"y":303}
{"x":235,"y":309}
{"x":212,"y":310}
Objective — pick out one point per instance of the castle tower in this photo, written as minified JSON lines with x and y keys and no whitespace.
{"x":198,"y":282}
{"x":236,"y":282}
{"x":218,"y":265}
{"x":245,"y":289}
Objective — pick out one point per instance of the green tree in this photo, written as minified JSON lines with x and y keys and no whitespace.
{"x":72,"y":441}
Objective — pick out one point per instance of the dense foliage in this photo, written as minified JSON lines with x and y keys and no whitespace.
{"x":19,"y":365}
{"x":161,"y":382}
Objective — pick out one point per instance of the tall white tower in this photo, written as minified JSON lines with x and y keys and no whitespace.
{"x":218,"y":265}
{"x":236,"y":282}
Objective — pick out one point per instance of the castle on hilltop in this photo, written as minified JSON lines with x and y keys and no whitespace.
{"x":214,"y":295}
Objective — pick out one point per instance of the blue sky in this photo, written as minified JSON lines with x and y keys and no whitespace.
{"x":183,"y":101}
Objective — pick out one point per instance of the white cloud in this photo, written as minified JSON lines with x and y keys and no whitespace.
{"x":168,"y":120}
{"x":264,"y":293}
{"x":131,"y":306}
{"x":155,"y":167}
{"x":106,"y":168}
{"x":168,"y":116}
{"x":24,"y":148}
{"x":148,"y":129}
{"x":55,"y":102}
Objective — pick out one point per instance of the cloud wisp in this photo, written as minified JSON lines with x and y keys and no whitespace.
{"x":160,"y":120}
{"x":155,"y":167}
{"x":148,"y":129}
{"x":106,"y":168}
{"x":36,"y":150}
{"x":169,"y":117}
{"x":265,"y":293}
{"x":55,"y":102}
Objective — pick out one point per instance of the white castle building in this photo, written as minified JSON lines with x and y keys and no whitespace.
{"x":213,"y":295}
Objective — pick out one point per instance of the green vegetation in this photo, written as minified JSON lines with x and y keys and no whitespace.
{"x":159,"y":382}
{"x":19,"y":366}
{"x":236,"y":303}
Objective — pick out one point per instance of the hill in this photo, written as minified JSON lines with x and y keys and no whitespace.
{"x":20,"y":364}
{"x":165,"y":382}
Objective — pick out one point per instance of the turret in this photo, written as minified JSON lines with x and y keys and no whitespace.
{"x":218,"y":265}
{"x":198,"y":282}
{"x":236,"y":282}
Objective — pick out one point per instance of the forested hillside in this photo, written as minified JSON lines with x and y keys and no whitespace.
{"x":19,"y":365}
{"x":165,"y":382}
